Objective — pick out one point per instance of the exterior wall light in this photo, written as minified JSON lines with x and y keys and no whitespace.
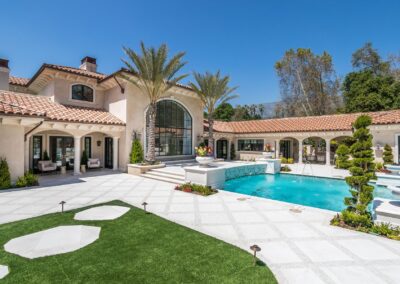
{"x":98,"y":143}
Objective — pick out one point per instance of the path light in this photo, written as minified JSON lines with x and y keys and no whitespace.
{"x":255,"y":249}
{"x":144,"y":206}
{"x":62,"y":205}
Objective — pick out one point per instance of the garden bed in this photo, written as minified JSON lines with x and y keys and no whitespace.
{"x":196,"y":189}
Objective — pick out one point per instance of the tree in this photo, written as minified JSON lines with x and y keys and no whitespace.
{"x":136,"y":152}
{"x":362,"y":170}
{"x":154,"y":74}
{"x":233,"y":152}
{"x":213,"y":90}
{"x":224,"y":112}
{"x":5,"y":177}
{"x":308,"y":84}
{"x":342,"y":160}
{"x":248,"y":112}
{"x":368,"y":58}
{"x":387,"y":154}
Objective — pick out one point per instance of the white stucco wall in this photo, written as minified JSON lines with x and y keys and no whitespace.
{"x":12,"y":148}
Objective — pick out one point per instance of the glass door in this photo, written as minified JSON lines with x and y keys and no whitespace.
{"x":108,"y":150}
{"x":62,"y":151}
{"x":37,"y":153}
{"x":222,"y":149}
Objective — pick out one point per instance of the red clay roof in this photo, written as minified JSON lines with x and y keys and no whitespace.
{"x":336,"y":122}
{"x":12,"y":103}
{"x":18,"y":81}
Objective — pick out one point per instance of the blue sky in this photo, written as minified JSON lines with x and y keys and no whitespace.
{"x":241,"y":38}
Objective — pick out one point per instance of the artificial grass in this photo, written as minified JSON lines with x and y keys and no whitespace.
{"x":135,"y":248}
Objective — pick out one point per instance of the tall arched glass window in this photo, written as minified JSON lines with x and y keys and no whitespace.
{"x":173,"y":131}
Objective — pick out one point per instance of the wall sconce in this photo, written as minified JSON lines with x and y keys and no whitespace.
{"x":98,"y":143}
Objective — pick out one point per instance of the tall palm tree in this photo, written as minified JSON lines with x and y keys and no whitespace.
{"x":154,"y":74}
{"x":213,"y":90}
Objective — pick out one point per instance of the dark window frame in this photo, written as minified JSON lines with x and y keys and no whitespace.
{"x":82,"y":96}
{"x":88,"y":142}
{"x":251,"y":145}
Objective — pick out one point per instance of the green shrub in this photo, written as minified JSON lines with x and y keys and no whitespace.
{"x":285,"y":169}
{"x":378,"y":166}
{"x":356,"y":220}
{"x":284,"y":160}
{"x":31,"y":179}
{"x":387,"y":154}
{"x":191,"y":187}
{"x":342,"y":160}
{"x":46,"y":156}
{"x":21,"y":182}
{"x":233,"y":152}
{"x":290,"y":160}
{"x":136,"y":152}
{"x":5,"y":177}
{"x":84,"y":158}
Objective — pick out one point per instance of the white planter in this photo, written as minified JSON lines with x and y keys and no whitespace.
{"x":83,"y":168}
{"x":268,"y":155}
{"x":204,"y":161}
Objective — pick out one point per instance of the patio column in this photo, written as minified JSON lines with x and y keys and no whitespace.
{"x":77,"y":155}
{"x":115,"y":153}
{"x":229,"y":150}
{"x":26,"y":153}
{"x":300,"y":151}
{"x":277,"y":149}
{"x":328,"y":152}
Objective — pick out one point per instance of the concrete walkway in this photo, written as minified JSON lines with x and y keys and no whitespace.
{"x":298,"y":247}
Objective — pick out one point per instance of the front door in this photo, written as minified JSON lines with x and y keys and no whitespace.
{"x":108,"y":150}
{"x":222,"y":149}
{"x":285,"y":149}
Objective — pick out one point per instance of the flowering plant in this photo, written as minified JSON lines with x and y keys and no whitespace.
{"x":203,"y":151}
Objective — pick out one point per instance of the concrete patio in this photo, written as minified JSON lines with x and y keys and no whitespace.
{"x":298,"y":247}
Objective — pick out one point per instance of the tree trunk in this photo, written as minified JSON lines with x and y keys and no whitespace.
{"x":151,"y":155}
{"x":211,"y":132}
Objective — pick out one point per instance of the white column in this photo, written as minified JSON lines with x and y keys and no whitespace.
{"x":26,"y":153}
{"x":229,"y":150}
{"x":328,"y":152}
{"x":77,"y":155}
{"x":300,"y":151}
{"x":277,"y":149}
{"x":115,"y":153}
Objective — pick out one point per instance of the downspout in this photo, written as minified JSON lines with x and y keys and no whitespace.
{"x":33,"y":129}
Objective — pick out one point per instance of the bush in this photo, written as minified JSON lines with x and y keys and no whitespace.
{"x":21,"y":182}
{"x":379,"y":167}
{"x":46,"y":156}
{"x":233,"y":152}
{"x":387,"y":230}
{"x":342,"y":160}
{"x":200,"y":189}
{"x":5,"y":177}
{"x":356,"y":220}
{"x":285,"y":169}
{"x":136,"y":152}
{"x":284,"y":160}
{"x":387,"y":154}
{"x":84,"y":158}
{"x":28,"y":179}
{"x":290,"y":160}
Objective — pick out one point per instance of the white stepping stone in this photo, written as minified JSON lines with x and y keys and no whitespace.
{"x":106,"y":212}
{"x":3,"y":271}
{"x":53,"y":241}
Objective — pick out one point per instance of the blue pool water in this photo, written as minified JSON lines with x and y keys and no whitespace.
{"x":322,"y":193}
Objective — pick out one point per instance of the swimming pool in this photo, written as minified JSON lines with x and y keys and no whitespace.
{"x":317,"y":192}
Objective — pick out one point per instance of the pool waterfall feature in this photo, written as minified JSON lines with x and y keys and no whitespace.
{"x":218,"y":173}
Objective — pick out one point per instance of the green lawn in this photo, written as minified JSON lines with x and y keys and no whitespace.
{"x":135,"y":248}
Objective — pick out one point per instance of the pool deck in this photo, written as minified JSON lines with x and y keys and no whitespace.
{"x":298,"y":247}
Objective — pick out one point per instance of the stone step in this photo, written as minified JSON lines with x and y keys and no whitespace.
{"x":174,"y":180}
{"x":165,"y":171}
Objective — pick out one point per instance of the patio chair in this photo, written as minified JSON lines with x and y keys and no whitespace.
{"x":93,"y":163}
{"x":47,"y":166}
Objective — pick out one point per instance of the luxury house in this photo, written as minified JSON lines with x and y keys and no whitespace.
{"x":64,"y":110}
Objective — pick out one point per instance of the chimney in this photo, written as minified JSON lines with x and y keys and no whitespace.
{"x":89,"y":64}
{"x":4,"y":75}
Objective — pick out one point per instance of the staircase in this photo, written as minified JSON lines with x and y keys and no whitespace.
{"x":166,"y":175}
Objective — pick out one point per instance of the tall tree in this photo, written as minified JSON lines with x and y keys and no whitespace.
{"x":213,"y":90}
{"x":224,"y":112}
{"x":155,"y":74}
{"x":368,"y":58}
{"x":308,"y":83}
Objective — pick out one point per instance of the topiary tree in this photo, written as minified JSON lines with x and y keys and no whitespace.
{"x":362,"y":170}
{"x":46,"y":156}
{"x":233,"y":152}
{"x":342,"y":159}
{"x":5,"y":177}
{"x":136,"y":152}
{"x":84,"y":158}
{"x":387,"y":154}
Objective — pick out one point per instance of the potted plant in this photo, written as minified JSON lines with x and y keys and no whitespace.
{"x":204,"y":155}
{"x":63,"y":165}
{"x":84,"y":161}
{"x":268,"y":153}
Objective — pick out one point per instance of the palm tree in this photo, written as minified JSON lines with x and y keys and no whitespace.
{"x":213,"y":90}
{"x":154,"y":74}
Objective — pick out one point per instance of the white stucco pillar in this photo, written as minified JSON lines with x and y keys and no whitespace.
{"x":328,"y":152}
{"x":26,"y":153}
{"x":115,"y":153}
{"x":277,"y":148}
{"x":300,"y":151}
{"x":229,"y":150}
{"x":77,"y":155}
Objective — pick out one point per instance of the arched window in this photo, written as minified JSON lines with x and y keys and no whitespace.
{"x":82,"y":93}
{"x":173,"y":133}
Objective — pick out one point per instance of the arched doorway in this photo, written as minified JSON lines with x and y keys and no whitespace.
{"x":173,"y":133}
{"x":222,"y":149}
{"x":314,"y":150}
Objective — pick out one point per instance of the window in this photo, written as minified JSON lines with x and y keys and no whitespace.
{"x":82,"y":93}
{"x":173,"y":133}
{"x":251,"y":145}
{"x":88,"y":146}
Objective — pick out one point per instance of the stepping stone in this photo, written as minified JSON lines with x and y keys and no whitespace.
{"x":58,"y":240}
{"x":106,"y":212}
{"x":3,"y":271}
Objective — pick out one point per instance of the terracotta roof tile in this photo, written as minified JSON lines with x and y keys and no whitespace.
{"x":337,"y":122}
{"x":18,"y":81}
{"x":12,"y":103}
{"x":76,"y":71}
